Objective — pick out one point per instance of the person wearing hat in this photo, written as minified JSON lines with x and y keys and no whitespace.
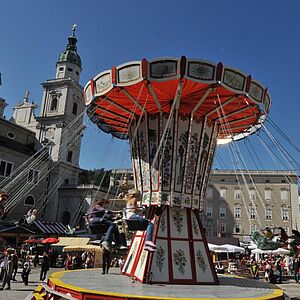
{"x":133,"y":213}
{"x":97,"y":214}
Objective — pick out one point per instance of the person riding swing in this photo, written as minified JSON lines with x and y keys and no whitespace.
{"x":133,"y":213}
{"x":99,"y":216}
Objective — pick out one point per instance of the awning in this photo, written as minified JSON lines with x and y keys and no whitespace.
{"x":72,"y":241}
{"x":50,"y":227}
{"x":90,"y":248}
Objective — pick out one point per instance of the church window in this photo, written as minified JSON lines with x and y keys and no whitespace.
{"x":237,"y":228}
{"x":11,"y":135}
{"x":29,"y":201}
{"x":61,"y":68}
{"x":74,"y":111}
{"x":209,"y":211}
{"x":5,"y":168}
{"x":77,"y":73}
{"x":66,"y":218}
{"x":237,"y":212}
{"x":33,"y":176}
{"x":69,"y":156}
{"x":70,"y":69}
{"x":269,"y":214}
{"x":285,"y":214}
{"x":54,"y":104}
{"x":252,"y":213}
{"x":222,"y":212}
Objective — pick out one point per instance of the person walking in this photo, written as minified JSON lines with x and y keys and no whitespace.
{"x":7,"y":274}
{"x":15,"y":262}
{"x":26,"y":270}
{"x":296,"y":266}
{"x":3,"y":265}
{"x":45,"y":263}
{"x":106,"y":260}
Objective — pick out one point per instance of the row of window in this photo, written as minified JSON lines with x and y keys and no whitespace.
{"x":252,"y":212}
{"x":238,"y":228}
{"x":252,"y":194}
{"x":6,"y":169}
{"x":54,"y":106}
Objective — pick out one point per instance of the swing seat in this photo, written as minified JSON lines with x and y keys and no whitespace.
{"x":135,"y":225}
{"x":97,"y":226}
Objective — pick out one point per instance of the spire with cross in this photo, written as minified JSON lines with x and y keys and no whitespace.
{"x":26,"y":96}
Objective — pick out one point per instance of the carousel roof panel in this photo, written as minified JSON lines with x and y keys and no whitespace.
{"x":203,"y":88}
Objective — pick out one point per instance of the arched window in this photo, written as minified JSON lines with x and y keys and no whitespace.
{"x":29,"y":201}
{"x":54,"y":103}
{"x":74,"y":111}
{"x":66,"y":218}
{"x":69,"y":157}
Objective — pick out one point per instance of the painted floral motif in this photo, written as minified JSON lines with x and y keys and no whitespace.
{"x":177,"y":201}
{"x":164,"y":198}
{"x":180,"y":260}
{"x":129,"y":74}
{"x":183,"y":141}
{"x":234,"y":79}
{"x":160,"y":258}
{"x":194,"y":148}
{"x":178,"y":220}
{"x":195,"y":226}
{"x":166,"y":163}
{"x":163,"y":222}
{"x":187,"y":201}
{"x":144,"y":164}
{"x":200,"y":260}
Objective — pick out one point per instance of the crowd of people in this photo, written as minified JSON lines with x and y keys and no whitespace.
{"x":268,"y":267}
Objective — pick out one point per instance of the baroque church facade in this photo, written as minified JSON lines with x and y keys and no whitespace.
{"x":57,"y":130}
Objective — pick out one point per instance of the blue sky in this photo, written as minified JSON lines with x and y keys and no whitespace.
{"x":260,"y":38}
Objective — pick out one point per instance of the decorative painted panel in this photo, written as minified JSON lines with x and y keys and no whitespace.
{"x":234,"y":79}
{"x":153,"y":124}
{"x":88,"y":94}
{"x":201,"y":71}
{"x":129,"y":73}
{"x":136,"y":160}
{"x":178,"y":223}
{"x":195,"y":227}
{"x":163,"y":69}
{"x":141,"y":265}
{"x":163,"y":225}
{"x":256,"y":91}
{"x":132,"y":255}
{"x":181,"y":260}
{"x":103,"y":82}
{"x":180,"y":152}
{"x":203,"y":269}
{"x":202,"y":158}
{"x":144,"y":154}
{"x":193,"y":152}
{"x":167,"y":152}
{"x":160,"y":262}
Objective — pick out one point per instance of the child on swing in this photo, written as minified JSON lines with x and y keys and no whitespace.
{"x":133,"y":213}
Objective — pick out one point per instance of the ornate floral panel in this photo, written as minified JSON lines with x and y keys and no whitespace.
{"x":129,"y":73}
{"x":163,"y":69}
{"x":180,"y":152}
{"x":153,"y":135}
{"x":141,"y":265}
{"x":201,"y":71}
{"x":234,"y":79}
{"x":256,"y":91}
{"x":203,"y":269}
{"x":132,"y":255}
{"x":167,"y":152}
{"x":178,"y":222}
{"x":163,"y":225}
{"x":103,"y":82}
{"x":160,"y":262}
{"x":181,"y":260}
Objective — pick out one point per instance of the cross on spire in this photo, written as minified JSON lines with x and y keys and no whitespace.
{"x":74,"y":29}
{"x":26,"y":96}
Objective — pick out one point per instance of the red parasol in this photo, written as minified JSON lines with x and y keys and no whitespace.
{"x":33,"y":241}
{"x":50,"y":241}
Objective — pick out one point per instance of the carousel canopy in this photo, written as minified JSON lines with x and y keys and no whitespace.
{"x":223,"y":94}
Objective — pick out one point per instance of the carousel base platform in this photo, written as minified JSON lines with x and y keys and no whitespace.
{"x":91,"y":284}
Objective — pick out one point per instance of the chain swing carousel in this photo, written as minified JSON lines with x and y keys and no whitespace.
{"x":174,"y":113}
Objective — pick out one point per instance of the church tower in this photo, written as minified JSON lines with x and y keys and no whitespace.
{"x":62,"y":107}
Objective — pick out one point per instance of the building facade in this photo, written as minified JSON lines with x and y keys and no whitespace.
{"x":57,"y":130}
{"x":240,"y":202}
